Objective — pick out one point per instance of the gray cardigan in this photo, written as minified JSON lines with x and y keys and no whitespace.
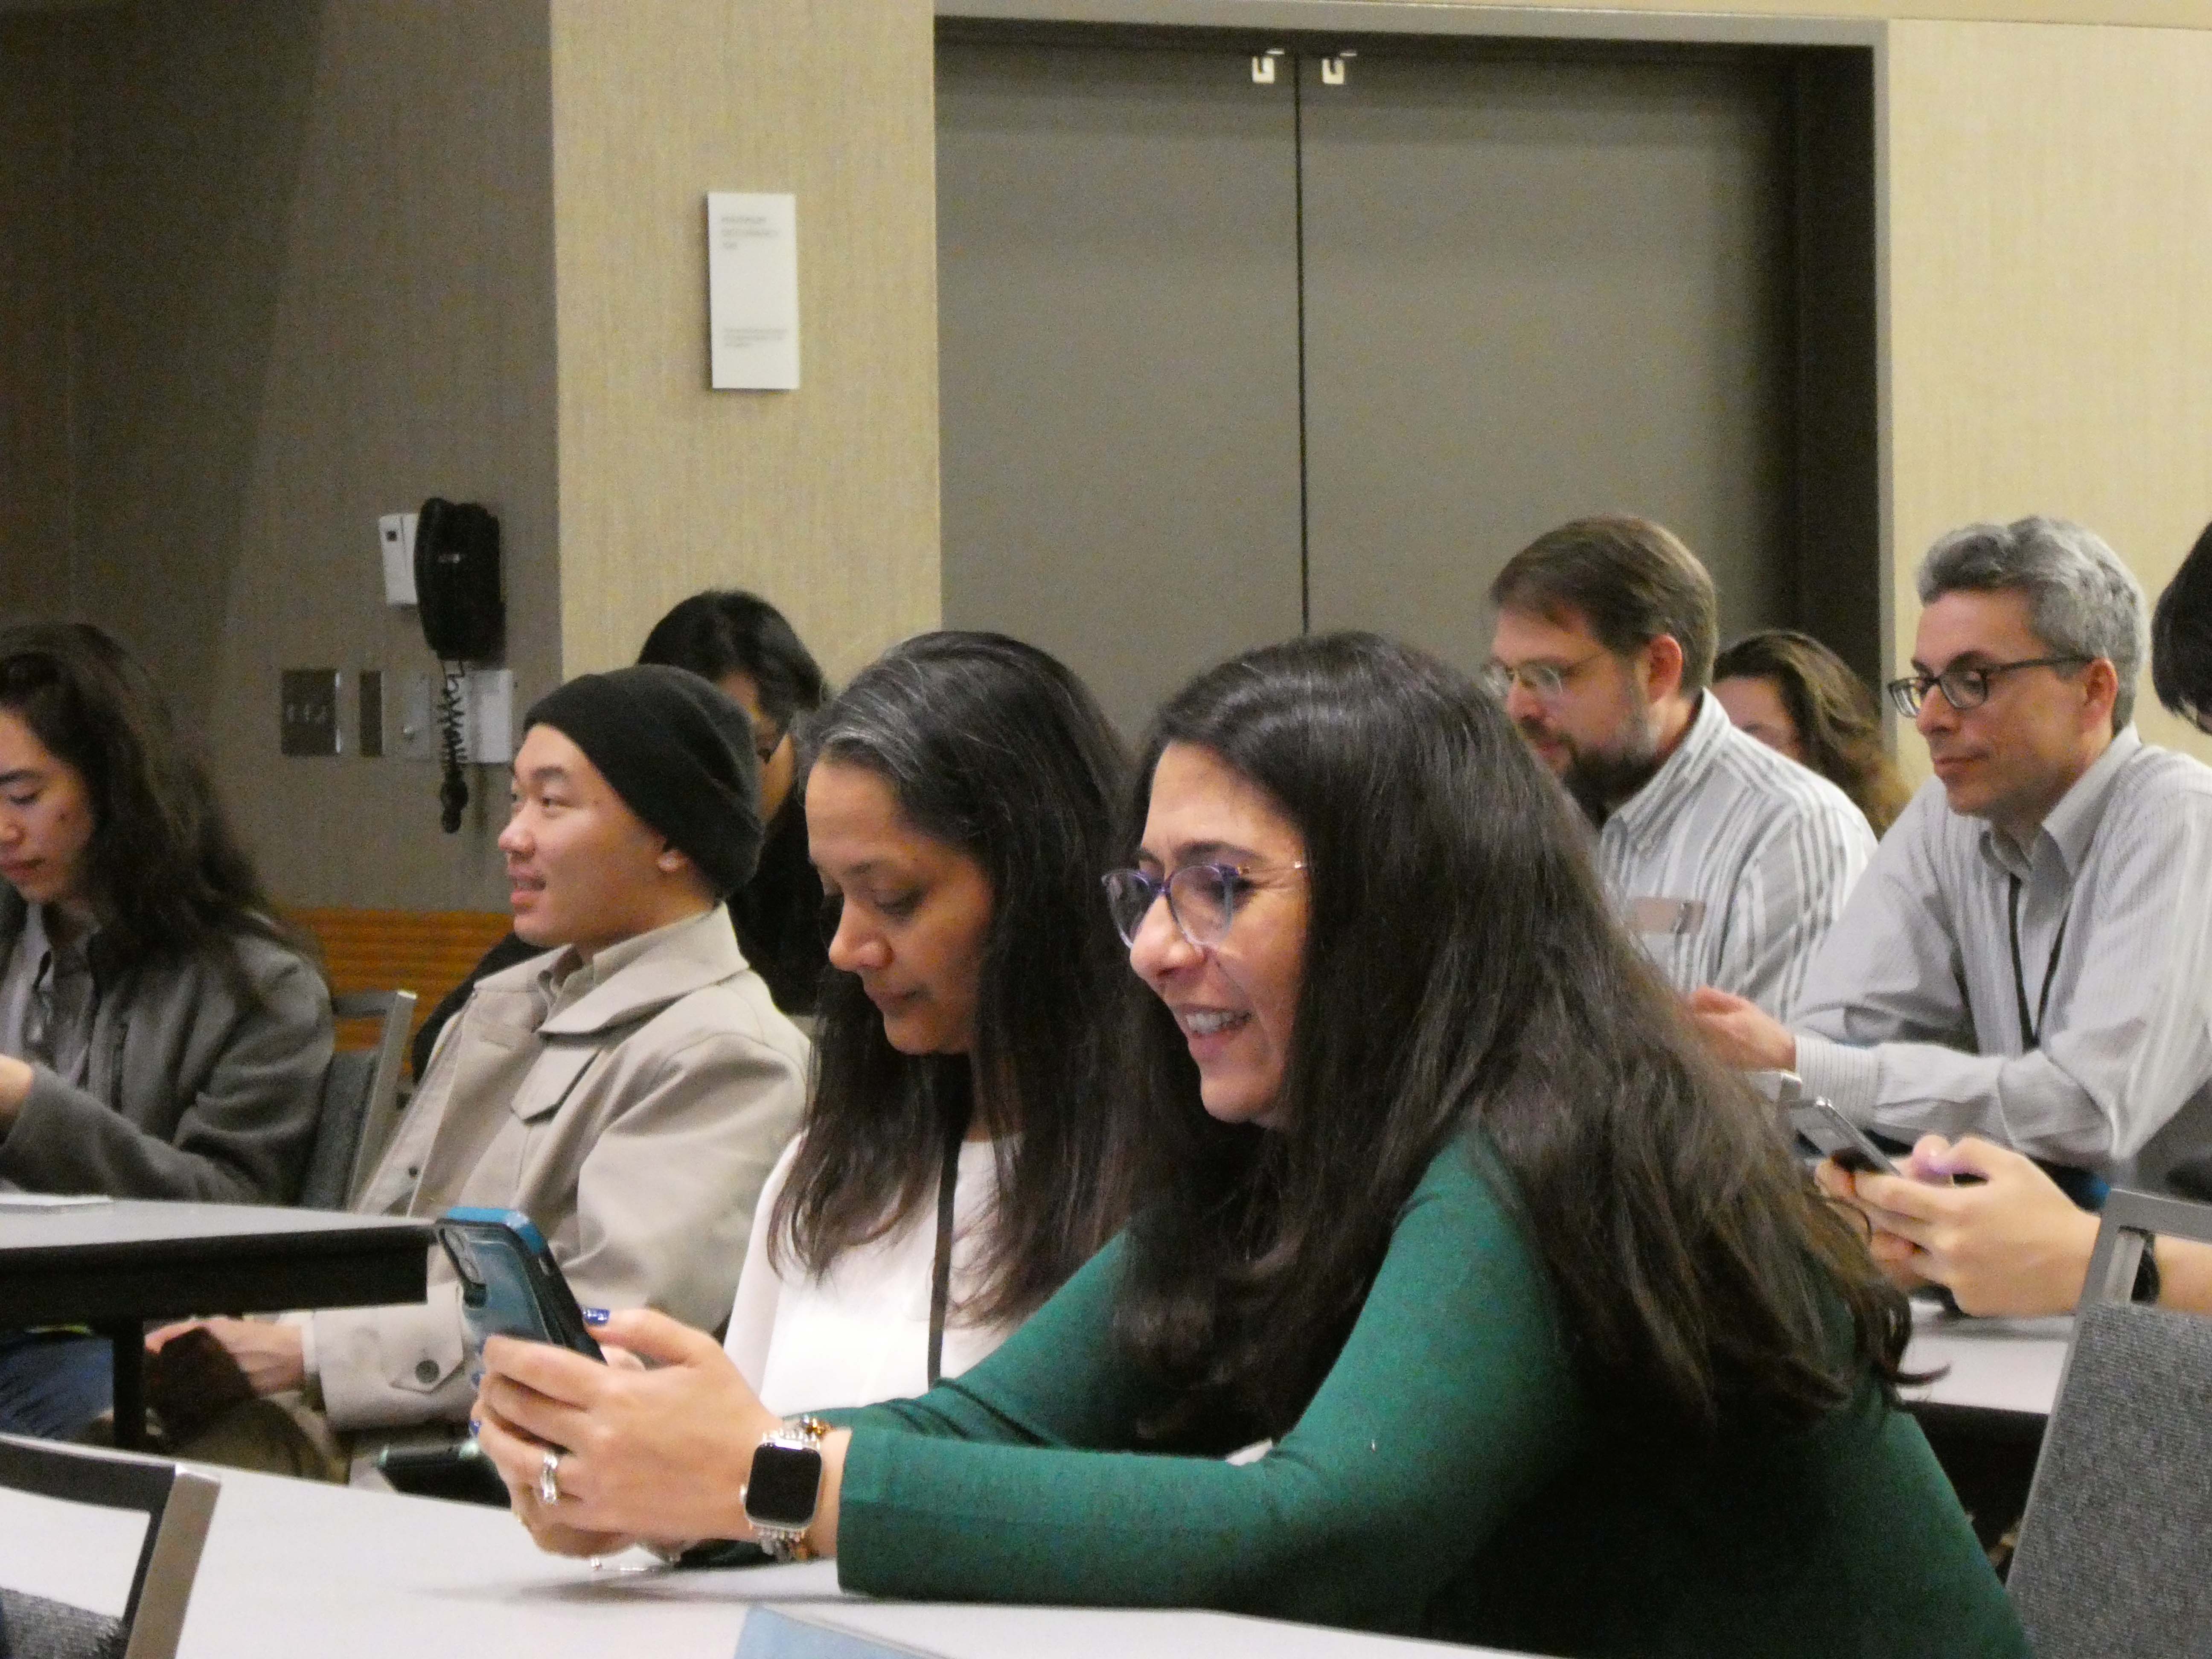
{"x":194,"y":1090}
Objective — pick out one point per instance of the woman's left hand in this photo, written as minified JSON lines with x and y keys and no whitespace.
{"x":658,"y":1453}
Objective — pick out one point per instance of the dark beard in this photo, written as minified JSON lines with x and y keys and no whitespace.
{"x":1600,"y":783}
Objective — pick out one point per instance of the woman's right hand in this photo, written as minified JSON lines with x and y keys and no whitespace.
{"x":644,"y":1452}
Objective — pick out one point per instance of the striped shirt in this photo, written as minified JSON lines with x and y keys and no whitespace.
{"x":1912,"y":1019}
{"x":1732,"y":863}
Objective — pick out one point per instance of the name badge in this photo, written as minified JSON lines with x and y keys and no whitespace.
{"x":1665,"y":915}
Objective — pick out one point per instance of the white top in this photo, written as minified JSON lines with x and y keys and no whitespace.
{"x":1911,"y":1018}
{"x":1731,"y":864}
{"x":860,"y":1332}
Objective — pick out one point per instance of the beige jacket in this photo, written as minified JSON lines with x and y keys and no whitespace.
{"x":635,"y":1123}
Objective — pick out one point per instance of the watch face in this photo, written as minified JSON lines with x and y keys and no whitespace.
{"x":784,"y":1480}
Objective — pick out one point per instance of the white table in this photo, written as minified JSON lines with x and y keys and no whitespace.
{"x":1993,"y":1364}
{"x":298,"y":1571}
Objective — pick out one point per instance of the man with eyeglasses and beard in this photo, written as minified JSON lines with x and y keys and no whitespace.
{"x":1728,"y":861}
{"x":2027,"y":959}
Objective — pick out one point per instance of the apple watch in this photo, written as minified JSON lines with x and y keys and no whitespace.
{"x":785,"y":1486}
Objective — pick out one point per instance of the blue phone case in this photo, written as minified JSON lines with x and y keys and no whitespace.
{"x":510,"y":1284}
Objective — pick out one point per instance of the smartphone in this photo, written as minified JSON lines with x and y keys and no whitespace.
{"x":460,"y":1473}
{"x":1834,"y":1135}
{"x":510,"y":1284}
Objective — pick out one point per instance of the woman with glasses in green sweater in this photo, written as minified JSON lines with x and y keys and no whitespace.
{"x":1530,"y":1330}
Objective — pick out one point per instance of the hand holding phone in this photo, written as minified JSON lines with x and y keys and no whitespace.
{"x":1834,"y":1135}
{"x":510,"y":1284}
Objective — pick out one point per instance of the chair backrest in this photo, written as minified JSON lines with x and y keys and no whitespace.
{"x":361,"y":1099}
{"x":2115,"y":1551}
{"x":139,"y":1616}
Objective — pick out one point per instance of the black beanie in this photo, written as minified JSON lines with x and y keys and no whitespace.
{"x":680,"y":754}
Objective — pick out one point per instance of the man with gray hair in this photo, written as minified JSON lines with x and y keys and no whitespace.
{"x":2029,"y":957}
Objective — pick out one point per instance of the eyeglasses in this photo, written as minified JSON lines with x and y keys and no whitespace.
{"x":1963,"y":686}
{"x":1542,"y":680}
{"x":1202,"y":898}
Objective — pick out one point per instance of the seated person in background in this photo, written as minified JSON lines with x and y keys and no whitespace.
{"x":1801,"y":700}
{"x":628,"y":1090}
{"x":160,"y":1035}
{"x":745,"y":646}
{"x":1728,"y":861}
{"x":2015,"y":1243}
{"x":961,"y":806}
{"x":2029,"y":957}
{"x":1557,"y":1349}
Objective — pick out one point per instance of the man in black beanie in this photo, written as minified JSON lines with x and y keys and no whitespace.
{"x":628,"y":1089}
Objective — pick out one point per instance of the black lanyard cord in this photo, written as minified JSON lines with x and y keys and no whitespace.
{"x":940,"y":1272}
{"x":2033,"y":1029}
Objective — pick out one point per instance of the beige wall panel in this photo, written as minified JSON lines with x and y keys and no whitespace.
{"x":37,"y":56}
{"x":317,"y":276}
{"x":2166,"y":13}
{"x":2050,"y":292}
{"x":823,"y":500}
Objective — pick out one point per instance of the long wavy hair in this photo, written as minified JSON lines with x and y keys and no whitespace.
{"x":167,"y":876}
{"x":1838,"y":724}
{"x":992,"y":748}
{"x":1462,"y":970}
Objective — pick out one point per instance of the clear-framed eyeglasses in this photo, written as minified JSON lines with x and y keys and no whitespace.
{"x":1965,"y":686}
{"x":1544,"y":681}
{"x":1202,"y":898}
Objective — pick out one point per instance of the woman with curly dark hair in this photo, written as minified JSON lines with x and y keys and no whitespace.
{"x":1801,"y":700}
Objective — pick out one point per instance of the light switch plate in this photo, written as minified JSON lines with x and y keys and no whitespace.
{"x":308,"y":712}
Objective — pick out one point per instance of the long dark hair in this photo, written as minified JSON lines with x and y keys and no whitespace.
{"x":1462,"y":969}
{"x":1839,"y":724}
{"x":167,"y":876}
{"x":2181,"y":637}
{"x":993,"y":748}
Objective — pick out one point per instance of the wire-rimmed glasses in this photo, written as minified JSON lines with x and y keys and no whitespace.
{"x":1544,"y":681}
{"x":1202,"y":898}
{"x":1964,"y":685}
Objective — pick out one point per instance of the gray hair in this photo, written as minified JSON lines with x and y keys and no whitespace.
{"x":2083,"y":601}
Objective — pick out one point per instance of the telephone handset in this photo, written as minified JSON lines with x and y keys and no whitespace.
{"x":457,"y":588}
{"x":456,"y":582}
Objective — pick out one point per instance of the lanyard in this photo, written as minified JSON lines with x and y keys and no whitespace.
{"x":2033,"y":1029}
{"x":940,"y":1271}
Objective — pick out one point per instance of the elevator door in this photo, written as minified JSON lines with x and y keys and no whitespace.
{"x":1117,"y":237}
{"x":1537,"y":288}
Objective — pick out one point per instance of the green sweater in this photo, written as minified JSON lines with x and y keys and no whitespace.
{"x":1446,"y":1480}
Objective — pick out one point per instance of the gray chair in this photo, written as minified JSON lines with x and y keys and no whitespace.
{"x":57,"y":1492}
{"x":361,"y":1100}
{"x":2115,"y":1555}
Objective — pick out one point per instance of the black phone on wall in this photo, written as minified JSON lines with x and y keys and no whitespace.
{"x":457,"y":580}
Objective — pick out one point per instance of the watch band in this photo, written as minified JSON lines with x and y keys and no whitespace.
{"x":789,"y":1543}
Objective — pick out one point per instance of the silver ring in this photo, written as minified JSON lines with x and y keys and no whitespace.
{"x":548,"y":1477}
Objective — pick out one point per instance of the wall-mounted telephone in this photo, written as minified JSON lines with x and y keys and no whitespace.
{"x":457,"y":586}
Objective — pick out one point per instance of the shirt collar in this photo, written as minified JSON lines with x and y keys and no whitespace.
{"x":2070,"y":826}
{"x":1647,"y":813}
{"x":567,"y":979}
{"x":37,"y":946}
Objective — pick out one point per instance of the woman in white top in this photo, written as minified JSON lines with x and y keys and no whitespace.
{"x":960,"y":807}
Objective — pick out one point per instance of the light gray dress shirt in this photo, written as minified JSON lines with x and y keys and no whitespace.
{"x":48,"y":996}
{"x":1911,"y":1016}
{"x":1732,"y":863}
